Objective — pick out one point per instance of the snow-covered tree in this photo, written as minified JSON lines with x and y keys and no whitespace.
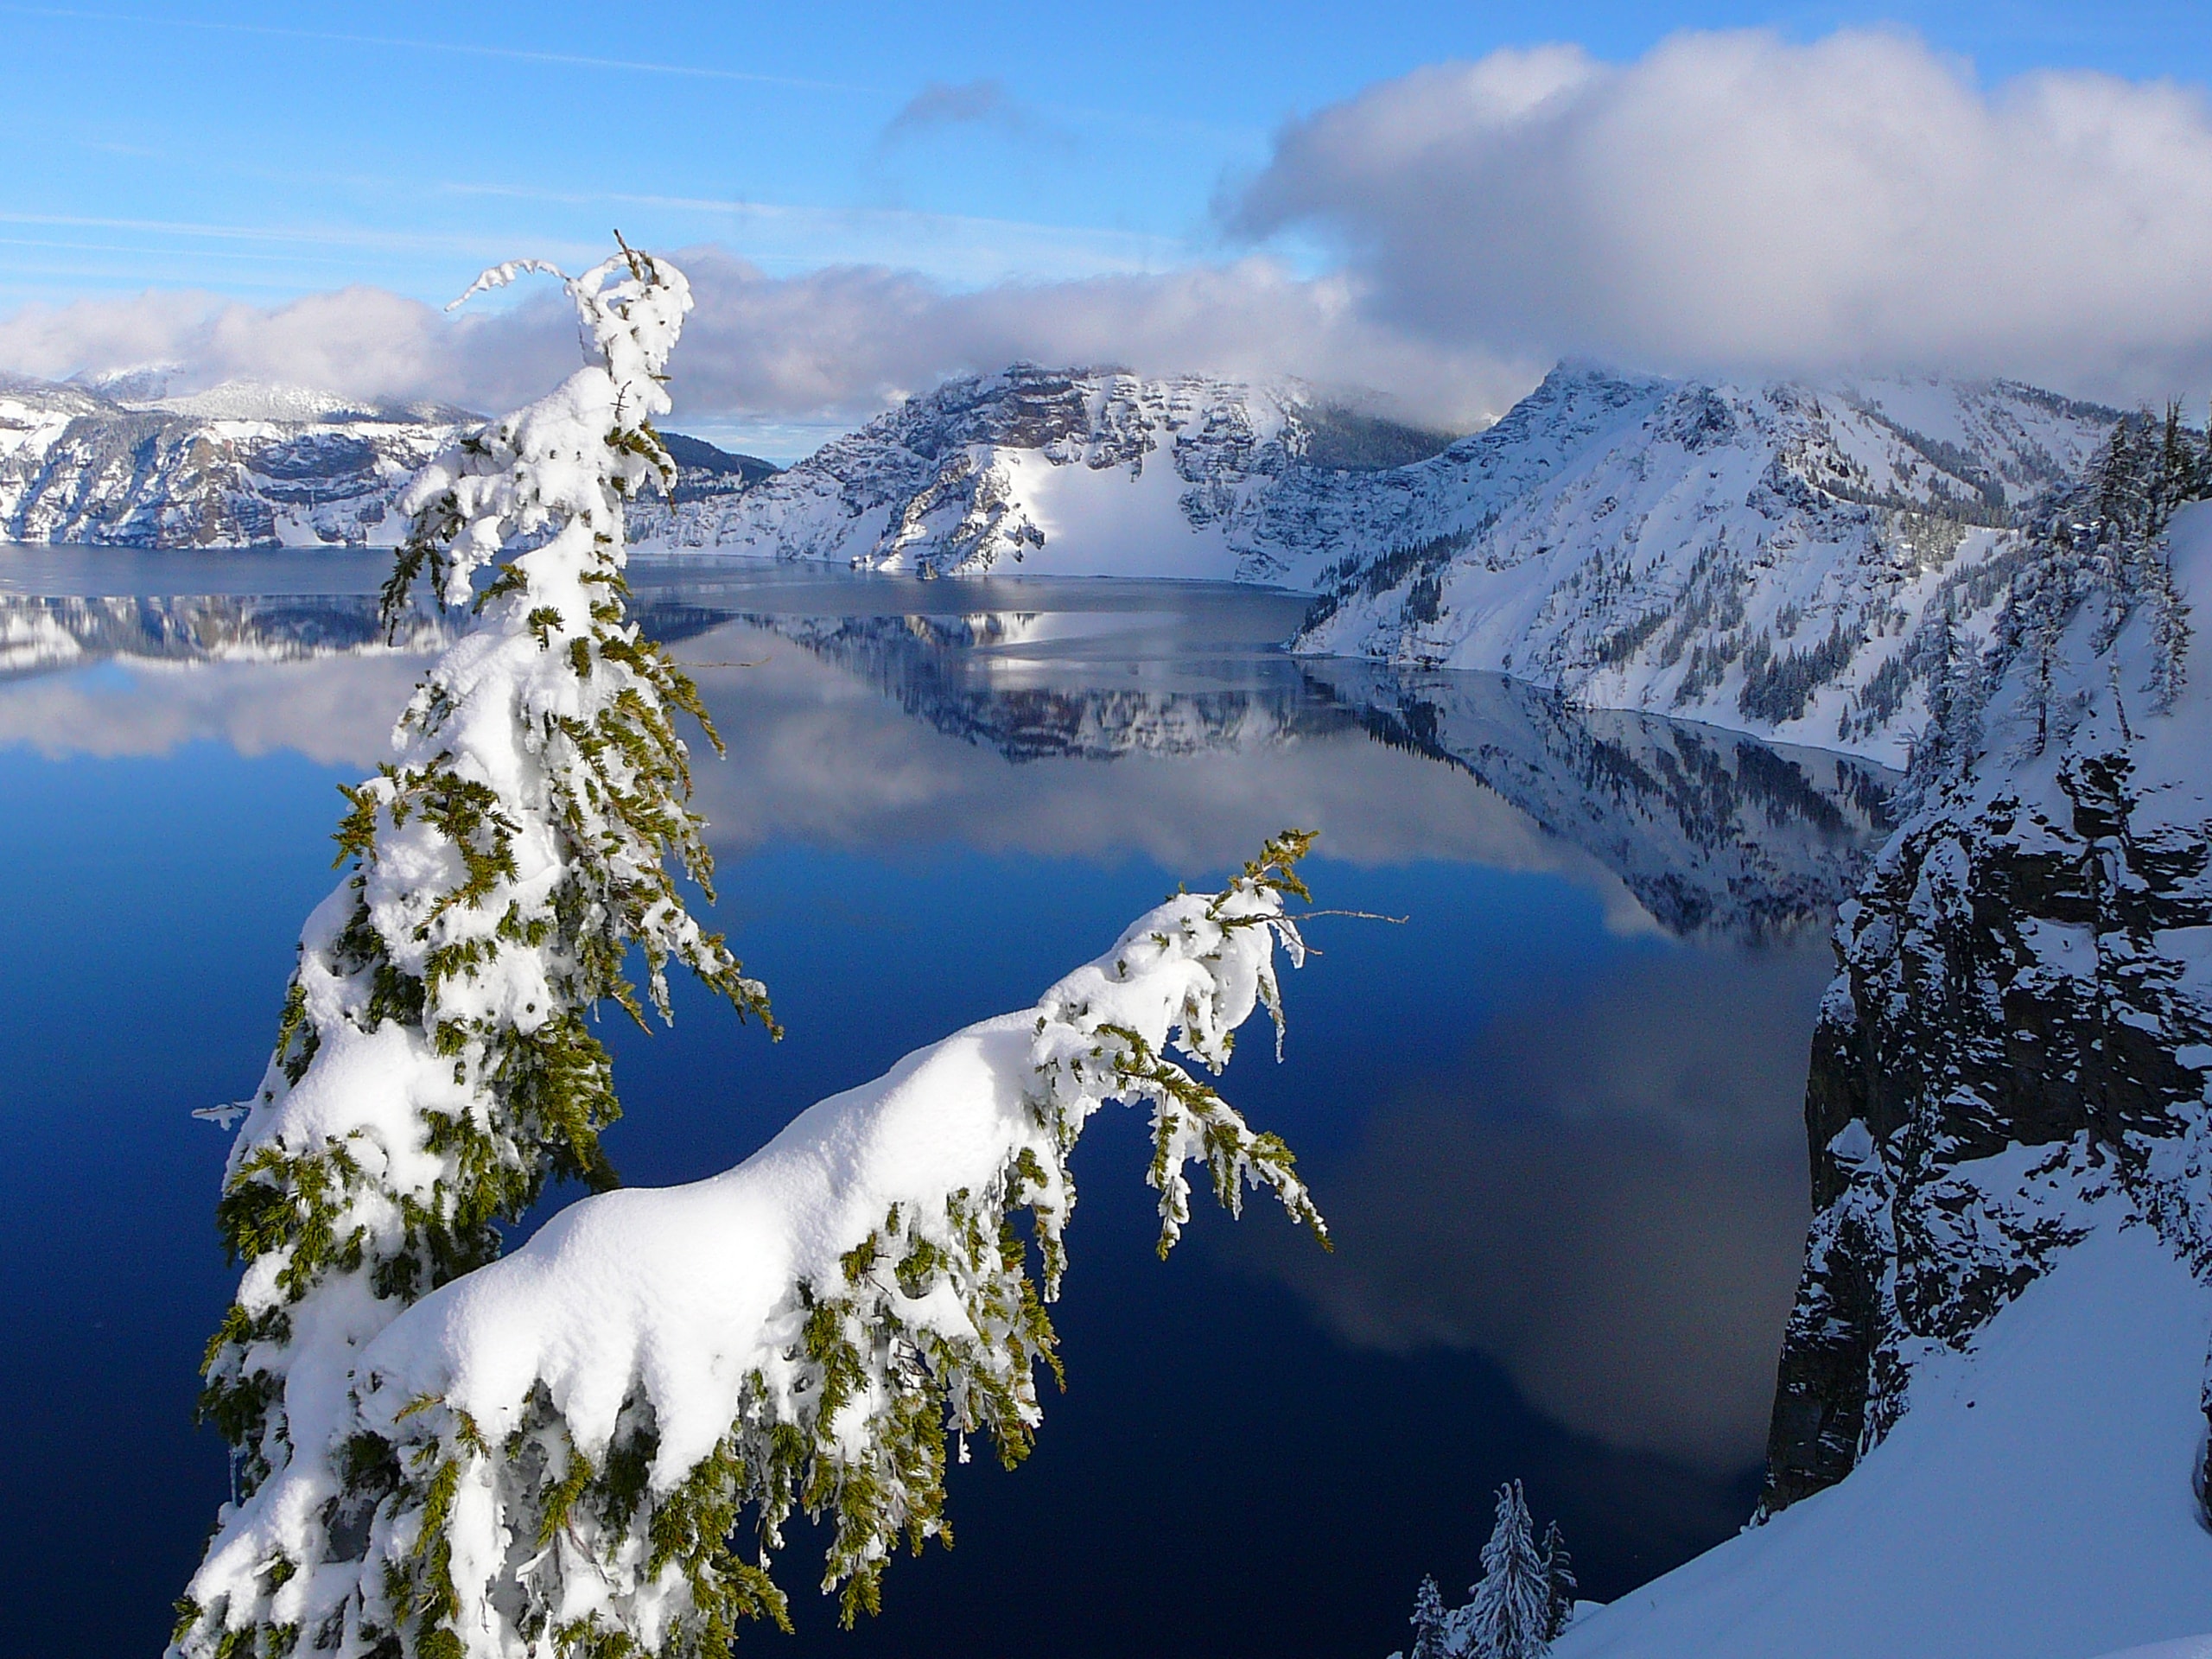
{"x":1431,"y":1624}
{"x":1510,"y":1615}
{"x":444,"y":1456}
{"x":1558,"y":1582}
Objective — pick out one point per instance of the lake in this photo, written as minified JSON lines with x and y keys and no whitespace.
{"x":1554,"y":1116}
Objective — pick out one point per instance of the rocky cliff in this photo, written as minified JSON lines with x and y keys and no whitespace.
{"x":1989,"y":1434}
{"x":2020,"y":1027}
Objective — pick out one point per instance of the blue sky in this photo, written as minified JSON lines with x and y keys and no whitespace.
{"x":1425,"y":204}
{"x":267,"y":150}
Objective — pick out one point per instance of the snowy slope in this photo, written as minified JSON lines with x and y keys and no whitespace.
{"x":2034,"y":1503}
{"x":1989,"y":1434}
{"x":1754,"y":557}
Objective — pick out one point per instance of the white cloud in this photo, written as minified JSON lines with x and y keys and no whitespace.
{"x":1736,"y":200}
{"x":835,"y":345}
{"x":1729,"y":200}
{"x":851,"y":339}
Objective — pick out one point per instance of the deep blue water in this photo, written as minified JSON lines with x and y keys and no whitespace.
{"x":1554,"y":1116}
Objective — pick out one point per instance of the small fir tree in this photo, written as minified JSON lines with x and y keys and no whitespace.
{"x":1510,"y":1614}
{"x":1431,"y":1624}
{"x":1558,"y":1581}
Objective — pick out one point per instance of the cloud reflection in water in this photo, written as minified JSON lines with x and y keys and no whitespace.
{"x":1608,"y":1196}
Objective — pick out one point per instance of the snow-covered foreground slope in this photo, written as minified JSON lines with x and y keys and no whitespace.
{"x":2034,"y":1503}
{"x":1762,"y":558}
{"x":1989,"y":1432}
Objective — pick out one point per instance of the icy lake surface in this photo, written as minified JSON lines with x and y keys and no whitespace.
{"x":1555,"y":1117}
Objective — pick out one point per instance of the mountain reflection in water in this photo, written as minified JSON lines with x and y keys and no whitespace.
{"x":1555,"y":1118}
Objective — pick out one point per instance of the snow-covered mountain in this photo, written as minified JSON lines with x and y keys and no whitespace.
{"x":1772,"y":559}
{"x":1990,"y":1429}
{"x":242,"y":465}
{"x":1758,"y":558}
{"x":254,"y":467}
{"x":1762,"y":558}
{"x":1083,"y":472}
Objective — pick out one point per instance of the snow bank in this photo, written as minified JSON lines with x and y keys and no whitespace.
{"x":2034,"y":1503}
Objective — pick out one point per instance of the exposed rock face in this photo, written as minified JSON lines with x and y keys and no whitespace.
{"x":2023,"y":1022}
{"x":241,"y":466}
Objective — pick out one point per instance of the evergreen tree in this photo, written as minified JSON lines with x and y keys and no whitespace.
{"x":2177,"y":474}
{"x":550,"y":1461}
{"x":1431,"y":1624}
{"x":433,"y":1063}
{"x":1559,"y":1580}
{"x":1510,"y":1614}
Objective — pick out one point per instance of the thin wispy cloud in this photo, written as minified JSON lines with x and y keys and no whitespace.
{"x":330,"y":236}
{"x":942,"y":104}
{"x":513,"y":55}
{"x":959,"y":250}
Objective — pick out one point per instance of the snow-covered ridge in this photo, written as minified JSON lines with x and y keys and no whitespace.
{"x":1755,"y":556}
{"x":240,"y":464}
{"x":1758,"y":558}
{"x":255,"y":400}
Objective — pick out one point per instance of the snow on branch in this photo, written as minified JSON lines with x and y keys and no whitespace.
{"x":550,"y":1455}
